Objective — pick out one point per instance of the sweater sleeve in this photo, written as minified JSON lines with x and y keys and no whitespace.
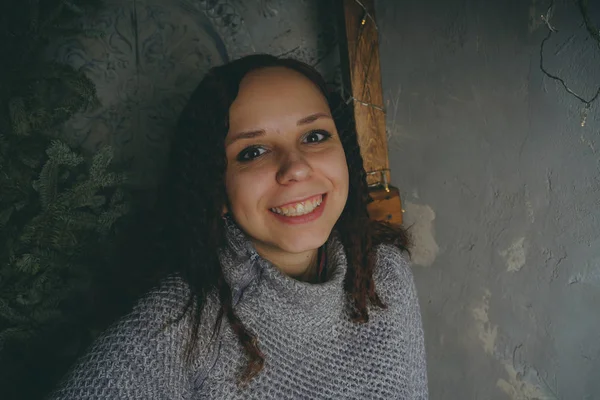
{"x":399,"y":292}
{"x":138,"y":357}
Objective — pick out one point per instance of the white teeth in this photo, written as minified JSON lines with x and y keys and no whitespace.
{"x":299,"y":209}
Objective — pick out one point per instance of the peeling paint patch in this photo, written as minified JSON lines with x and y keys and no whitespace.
{"x":519,"y":389}
{"x":515,"y":255}
{"x":517,"y":385}
{"x":485,"y":331}
{"x":590,"y":275}
{"x":529,"y":206}
{"x":419,"y":218}
{"x":588,"y":143}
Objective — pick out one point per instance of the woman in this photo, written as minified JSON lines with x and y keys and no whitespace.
{"x":283,"y":288}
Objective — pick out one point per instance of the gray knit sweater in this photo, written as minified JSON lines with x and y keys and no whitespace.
{"x":312,"y":349}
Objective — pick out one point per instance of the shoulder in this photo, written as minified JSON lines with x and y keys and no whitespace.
{"x":396,"y":288}
{"x":393,"y":275}
{"x":163,"y":301}
{"x":161,"y":304}
{"x":130,"y":359}
{"x":152,"y":318}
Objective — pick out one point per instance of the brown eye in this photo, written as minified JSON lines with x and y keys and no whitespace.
{"x":316,"y":136}
{"x":250,"y":153}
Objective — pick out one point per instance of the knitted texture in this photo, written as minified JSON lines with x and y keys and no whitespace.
{"x":312,"y":349}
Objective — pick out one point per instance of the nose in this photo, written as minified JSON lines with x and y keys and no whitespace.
{"x":293,"y":168}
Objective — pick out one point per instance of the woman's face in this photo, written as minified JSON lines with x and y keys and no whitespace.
{"x":286,"y":177}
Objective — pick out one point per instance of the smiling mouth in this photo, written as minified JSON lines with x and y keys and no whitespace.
{"x":301,"y":208}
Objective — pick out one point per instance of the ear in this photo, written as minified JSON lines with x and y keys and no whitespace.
{"x":225,"y":210}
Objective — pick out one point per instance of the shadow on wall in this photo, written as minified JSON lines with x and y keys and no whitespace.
{"x":152,"y":54}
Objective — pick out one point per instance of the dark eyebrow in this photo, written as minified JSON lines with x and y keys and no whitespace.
{"x":312,"y":118}
{"x":245,"y":135}
{"x":261,"y":132}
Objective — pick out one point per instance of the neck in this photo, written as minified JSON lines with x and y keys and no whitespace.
{"x":302,"y":306}
{"x":300,"y":266}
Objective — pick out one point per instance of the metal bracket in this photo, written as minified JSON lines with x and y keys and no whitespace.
{"x":383,"y":181}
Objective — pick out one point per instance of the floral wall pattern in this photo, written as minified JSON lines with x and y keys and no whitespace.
{"x":153,"y":53}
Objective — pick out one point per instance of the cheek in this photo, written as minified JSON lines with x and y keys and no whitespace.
{"x":245,"y":188}
{"x":337,"y":169}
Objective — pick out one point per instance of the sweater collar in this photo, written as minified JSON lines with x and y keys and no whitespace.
{"x":302,"y":301}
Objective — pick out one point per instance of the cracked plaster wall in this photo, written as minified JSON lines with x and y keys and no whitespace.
{"x":501,"y":185}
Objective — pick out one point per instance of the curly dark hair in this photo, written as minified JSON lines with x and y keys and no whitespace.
{"x":194,"y":196}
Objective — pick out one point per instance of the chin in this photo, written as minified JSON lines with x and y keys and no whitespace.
{"x":303,"y":244}
{"x":297,"y":236}
{"x":301,"y":240}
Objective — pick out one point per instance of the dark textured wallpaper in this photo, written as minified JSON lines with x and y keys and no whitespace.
{"x":153,"y":53}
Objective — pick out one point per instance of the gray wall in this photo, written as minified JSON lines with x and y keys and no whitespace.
{"x":501,"y":185}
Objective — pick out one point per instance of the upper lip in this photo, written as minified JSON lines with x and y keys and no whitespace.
{"x":300,"y":200}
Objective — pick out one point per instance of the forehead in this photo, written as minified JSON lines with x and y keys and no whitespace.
{"x":273,"y":94}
